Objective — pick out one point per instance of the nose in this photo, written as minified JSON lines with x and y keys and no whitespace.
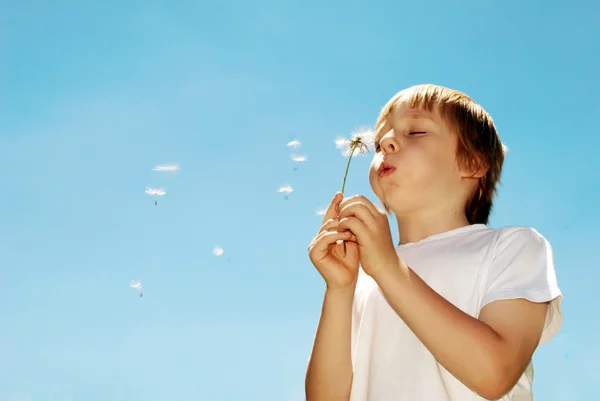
{"x":389,"y":143}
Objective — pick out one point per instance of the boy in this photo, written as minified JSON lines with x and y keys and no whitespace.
{"x":455,"y":311}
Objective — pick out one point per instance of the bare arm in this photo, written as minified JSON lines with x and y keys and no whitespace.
{"x":487,"y":355}
{"x":329,"y":373}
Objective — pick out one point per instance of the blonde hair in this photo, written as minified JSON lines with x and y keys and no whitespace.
{"x":479,"y":147}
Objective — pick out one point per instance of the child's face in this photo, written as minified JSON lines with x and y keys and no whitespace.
{"x":420,"y":150}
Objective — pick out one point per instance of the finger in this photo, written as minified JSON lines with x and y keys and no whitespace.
{"x":329,"y":225}
{"x":332,"y":210}
{"x":360,"y":198}
{"x":351,"y":249}
{"x":328,"y":228}
{"x":352,"y":238}
{"x":325,"y":240}
{"x":359,"y":210}
{"x":355,"y":226}
{"x":349,"y":199}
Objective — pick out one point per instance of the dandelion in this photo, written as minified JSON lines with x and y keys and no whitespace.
{"x":287,"y":189}
{"x":360,"y":141}
{"x":294,"y":144}
{"x":167,"y":168}
{"x":138,"y":286}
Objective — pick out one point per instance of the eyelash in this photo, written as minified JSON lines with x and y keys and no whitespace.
{"x":377,"y":147}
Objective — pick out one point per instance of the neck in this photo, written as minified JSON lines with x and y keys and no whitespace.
{"x":422,"y":224}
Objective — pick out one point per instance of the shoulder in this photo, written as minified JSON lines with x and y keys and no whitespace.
{"x":520,"y":233}
{"x":521,"y":259}
{"x":522,"y":240}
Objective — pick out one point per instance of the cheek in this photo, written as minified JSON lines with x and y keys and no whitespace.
{"x":438,"y":171}
{"x":417,"y":167}
{"x":373,"y":178}
{"x":425,"y":170}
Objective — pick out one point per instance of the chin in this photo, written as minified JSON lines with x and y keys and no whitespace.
{"x":390,"y":193}
{"x":397,"y":203}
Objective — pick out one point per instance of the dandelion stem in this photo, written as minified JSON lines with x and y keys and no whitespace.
{"x":347,"y":167}
{"x":344,"y":183}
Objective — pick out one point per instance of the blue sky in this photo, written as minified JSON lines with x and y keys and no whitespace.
{"x":93,"y":96}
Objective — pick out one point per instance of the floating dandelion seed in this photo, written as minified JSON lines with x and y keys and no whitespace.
{"x":321,"y":212}
{"x":138,"y":286}
{"x":155,"y":191}
{"x":294,"y":144}
{"x":218,"y":251}
{"x":287,"y":189}
{"x":167,"y":167}
{"x":298,"y":159}
{"x":360,"y":141}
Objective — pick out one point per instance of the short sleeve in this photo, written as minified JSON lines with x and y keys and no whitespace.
{"x":522,"y":266}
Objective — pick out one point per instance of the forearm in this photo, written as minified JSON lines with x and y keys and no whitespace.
{"x":465,"y":346}
{"x":329,"y":373}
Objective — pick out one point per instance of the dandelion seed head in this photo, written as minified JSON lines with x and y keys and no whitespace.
{"x":344,"y":145}
{"x":365,"y":135}
{"x":341,"y":142}
{"x":360,"y":140}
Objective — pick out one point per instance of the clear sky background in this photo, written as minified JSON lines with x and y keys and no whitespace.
{"x":93,"y":95}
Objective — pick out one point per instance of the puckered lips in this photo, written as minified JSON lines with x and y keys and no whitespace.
{"x":385,"y":169}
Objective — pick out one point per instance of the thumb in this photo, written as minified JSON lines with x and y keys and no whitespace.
{"x":332,"y":210}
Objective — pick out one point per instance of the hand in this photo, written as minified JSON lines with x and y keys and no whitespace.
{"x":327,"y":254}
{"x":371,"y":230}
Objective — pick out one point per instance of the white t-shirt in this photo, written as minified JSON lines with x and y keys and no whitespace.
{"x":470,"y":266}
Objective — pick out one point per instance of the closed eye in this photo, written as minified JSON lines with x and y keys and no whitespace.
{"x":377,"y":146}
